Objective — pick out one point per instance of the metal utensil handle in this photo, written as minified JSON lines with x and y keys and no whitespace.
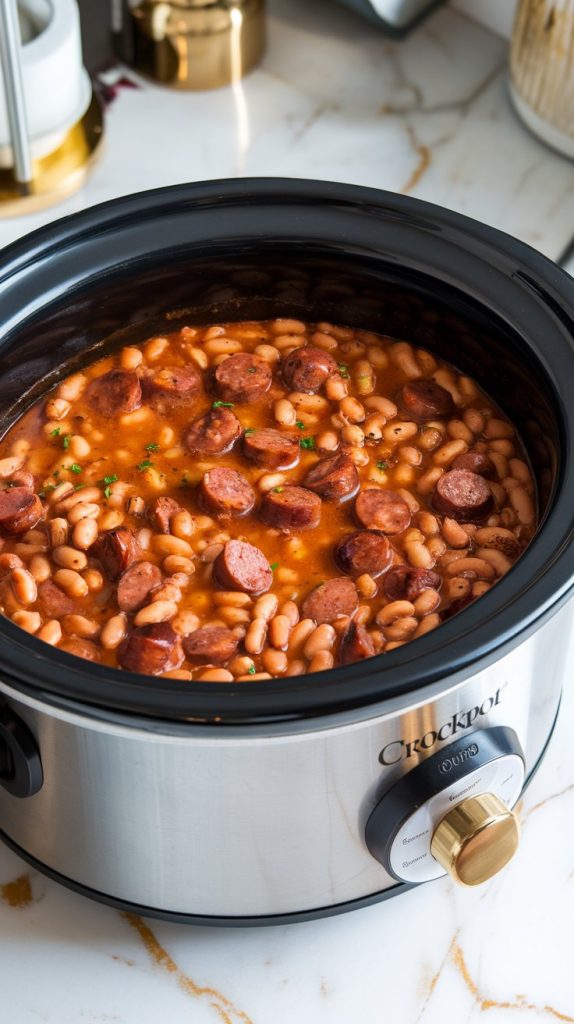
{"x":10,"y":51}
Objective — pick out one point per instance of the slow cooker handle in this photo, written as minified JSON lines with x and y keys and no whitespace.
{"x":21,"y":772}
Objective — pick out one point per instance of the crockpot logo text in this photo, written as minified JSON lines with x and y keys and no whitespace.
{"x":399,"y":750}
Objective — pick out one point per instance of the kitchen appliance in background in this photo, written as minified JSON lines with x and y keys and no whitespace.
{"x":396,"y":17}
{"x":542,"y":70}
{"x":50,"y":121}
{"x":190,"y":44}
{"x":227,"y":803}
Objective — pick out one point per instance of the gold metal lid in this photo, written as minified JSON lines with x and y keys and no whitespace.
{"x":197,"y":44}
{"x":476,"y":839}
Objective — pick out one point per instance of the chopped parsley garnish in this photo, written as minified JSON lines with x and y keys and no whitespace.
{"x":153,"y":447}
{"x":225,"y":405}
{"x":278,"y":490}
{"x":343,"y":370}
{"x":79,"y":487}
{"x":381,"y":464}
{"x":273,"y":566}
{"x":56,"y":432}
{"x":300,"y":424}
{"x":66,"y":441}
{"x":74,"y":468}
{"x":251,"y":671}
{"x":145,"y":464}
{"x":249,"y":430}
{"x":307,"y":442}
{"x":105,"y":482}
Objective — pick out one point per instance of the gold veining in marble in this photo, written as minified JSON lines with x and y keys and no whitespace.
{"x":223,"y":1007}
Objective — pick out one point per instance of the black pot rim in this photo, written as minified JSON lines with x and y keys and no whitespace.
{"x":536,"y":587}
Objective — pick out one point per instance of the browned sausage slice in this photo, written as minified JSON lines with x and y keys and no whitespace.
{"x":426,"y":400}
{"x":171,"y":387}
{"x":242,"y":378}
{"x":20,"y":510}
{"x":463,"y":496}
{"x":162,"y":513}
{"x":53,"y":603}
{"x":151,"y":650}
{"x":291,"y":508}
{"x":334,"y":479}
{"x":81,"y":648}
{"x":211,"y":645}
{"x":116,"y":550}
{"x":356,"y":644}
{"x":225,"y":493}
{"x":136,"y":585}
{"x":213,"y":433}
{"x":116,"y":392}
{"x":366,"y":551}
{"x":305,"y":369}
{"x":331,"y":600}
{"x":271,"y":449}
{"x":405,"y":583}
{"x":474,"y":462}
{"x":241,"y":566}
{"x":377,"y":509}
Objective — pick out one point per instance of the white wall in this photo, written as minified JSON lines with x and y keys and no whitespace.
{"x":495,"y":14}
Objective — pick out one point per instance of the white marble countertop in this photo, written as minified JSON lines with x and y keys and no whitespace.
{"x":430,"y":117}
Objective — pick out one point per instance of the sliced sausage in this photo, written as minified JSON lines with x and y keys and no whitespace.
{"x":81,"y":648}
{"x":463,"y":496}
{"x":23,"y":478}
{"x":241,"y":566}
{"x":151,"y":650}
{"x":334,"y":479}
{"x":116,"y":550}
{"x":116,"y":392}
{"x":331,"y":600}
{"x":306,"y":369}
{"x":213,"y":433}
{"x":20,"y":510}
{"x":225,"y":493}
{"x":211,"y":645}
{"x":405,"y":583}
{"x":426,"y":400}
{"x":171,"y":387}
{"x":136,"y":584}
{"x":271,"y":449}
{"x":242,"y":378}
{"x":475,"y":462}
{"x":162,"y":512}
{"x":377,"y":509}
{"x":366,"y":551}
{"x":356,"y":644}
{"x":291,"y":508}
{"x":53,"y":603}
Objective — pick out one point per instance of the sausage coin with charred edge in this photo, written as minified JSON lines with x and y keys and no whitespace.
{"x":242,"y":566}
{"x":163,"y":511}
{"x":334,"y":479}
{"x":356,"y":644}
{"x":291,"y":508}
{"x":463,"y":496}
{"x":270,"y":449}
{"x":53,"y":602}
{"x":331,"y":600}
{"x":475,"y":462}
{"x":136,"y":584}
{"x":211,"y":645}
{"x":151,"y":650}
{"x":426,"y":400}
{"x":306,"y":369}
{"x":225,"y":493}
{"x":405,"y":583}
{"x":214,"y":433}
{"x":115,"y":393}
{"x":377,"y":509}
{"x":171,"y":387}
{"x":366,"y":551}
{"x":242,"y":378}
{"x":20,"y":510}
{"x":116,"y":550}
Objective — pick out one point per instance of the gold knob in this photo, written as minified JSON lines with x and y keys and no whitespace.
{"x":476,"y":839}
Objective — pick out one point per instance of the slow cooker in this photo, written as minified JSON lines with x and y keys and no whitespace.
{"x":291,"y":798}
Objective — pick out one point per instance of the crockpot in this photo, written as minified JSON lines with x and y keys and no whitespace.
{"x":291,"y":798}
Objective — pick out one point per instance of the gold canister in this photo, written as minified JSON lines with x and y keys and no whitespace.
{"x":542,"y":70}
{"x":197,"y":44}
